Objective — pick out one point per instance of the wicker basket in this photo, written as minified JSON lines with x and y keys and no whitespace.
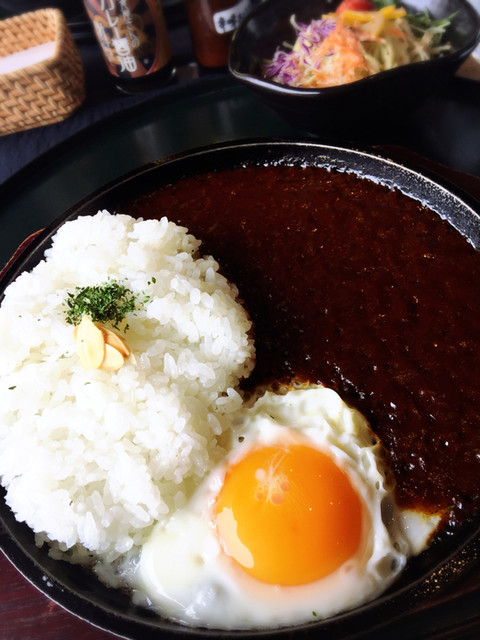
{"x":49,"y":90}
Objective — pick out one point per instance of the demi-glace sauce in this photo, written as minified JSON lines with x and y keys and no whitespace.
{"x":363,"y":289}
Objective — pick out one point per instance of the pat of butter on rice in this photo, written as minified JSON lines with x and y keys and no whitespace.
{"x":91,"y":459}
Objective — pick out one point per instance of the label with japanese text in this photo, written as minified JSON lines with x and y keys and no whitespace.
{"x":228,"y":19}
{"x":132,"y":35}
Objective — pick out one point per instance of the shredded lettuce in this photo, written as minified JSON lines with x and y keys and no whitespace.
{"x":343,"y":47}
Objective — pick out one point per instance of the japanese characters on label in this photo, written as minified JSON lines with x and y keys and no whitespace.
{"x":229,"y":19}
{"x":130,"y":33}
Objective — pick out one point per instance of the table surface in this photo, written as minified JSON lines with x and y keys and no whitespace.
{"x":113,"y":134}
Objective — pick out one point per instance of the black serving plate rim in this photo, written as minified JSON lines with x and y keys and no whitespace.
{"x":129,"y":623}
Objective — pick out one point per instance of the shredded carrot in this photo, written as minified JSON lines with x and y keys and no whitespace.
{"x":394,"y":31}
{"x":344,"y":47}
{"x":343,"y":58}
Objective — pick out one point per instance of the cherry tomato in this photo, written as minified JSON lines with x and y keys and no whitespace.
{"x":355,"y":5}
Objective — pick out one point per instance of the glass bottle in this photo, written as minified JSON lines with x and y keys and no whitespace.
{"x":134,"y":41}
{"x":212,"y":23}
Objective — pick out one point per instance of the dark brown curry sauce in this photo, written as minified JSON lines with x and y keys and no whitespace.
{"x":363,"y":289}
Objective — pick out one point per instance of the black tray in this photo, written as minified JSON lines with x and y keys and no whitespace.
{"x":446,"y":129}
{"x":212,"y":110}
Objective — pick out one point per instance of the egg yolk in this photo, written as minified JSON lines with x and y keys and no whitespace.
{"x":288,"y":515}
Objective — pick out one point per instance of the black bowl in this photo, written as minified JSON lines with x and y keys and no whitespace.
{"x":351,"y":108}
{"x":439,"y":570}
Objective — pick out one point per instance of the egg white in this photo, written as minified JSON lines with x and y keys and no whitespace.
{"x":184,"y":573}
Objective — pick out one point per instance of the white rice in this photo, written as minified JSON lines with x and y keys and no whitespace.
{"x":91,"y":459}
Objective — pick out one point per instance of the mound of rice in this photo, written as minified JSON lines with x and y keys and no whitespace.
{"x":91,"y":459}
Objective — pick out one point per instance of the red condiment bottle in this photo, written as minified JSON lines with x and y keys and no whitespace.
{"x":134,"y":41}
{"x":212,"y":23}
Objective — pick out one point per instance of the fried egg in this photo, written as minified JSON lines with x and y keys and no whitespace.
{"x":298,"y":523}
